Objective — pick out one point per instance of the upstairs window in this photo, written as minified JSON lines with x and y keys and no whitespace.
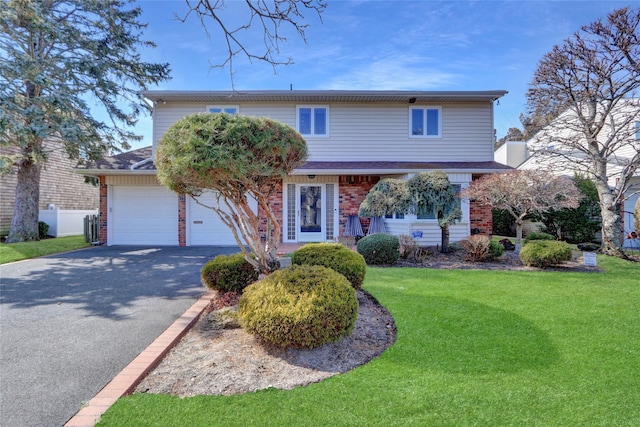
{"x":313,"y":121}
{"x":637,"y":131}
{"x":425,"y":122}
{"x":229,"y":109}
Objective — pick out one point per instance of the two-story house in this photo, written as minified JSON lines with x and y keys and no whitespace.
{"x":355,"y":138}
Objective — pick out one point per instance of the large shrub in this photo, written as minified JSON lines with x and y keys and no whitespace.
{"x":538,"y":235}
{"x":379,"y":248}
{"x":336,"y":257}
{"x":303,"y":306}
{"x":579,"y":224}
{"x":481,"y":248}
{"x":545,"y":253}
{"x":228,"y":273}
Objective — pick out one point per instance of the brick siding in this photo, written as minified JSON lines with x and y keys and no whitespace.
{"x":104,"y":212}
{"x":182,"y":220}
{"x":481,"y":217}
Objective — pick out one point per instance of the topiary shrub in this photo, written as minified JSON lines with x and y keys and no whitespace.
{"x":545,"y":253}
{"x":379,"y":248}
{"x":228,"y":273}
{"x":481,"y":248}
{"x":336,"y":257}
{"x":303,"y":306}
{"x":537,"y":235}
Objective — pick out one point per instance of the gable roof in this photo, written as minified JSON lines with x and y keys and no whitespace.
{"x":411,"y":97}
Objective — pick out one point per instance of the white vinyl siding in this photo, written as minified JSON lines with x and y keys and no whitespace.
{"x":373,"y":132}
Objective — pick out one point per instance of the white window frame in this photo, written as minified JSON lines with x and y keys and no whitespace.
{"x":223,"y":108}
{"x":425,"y":108}
{"x":313,"y":108}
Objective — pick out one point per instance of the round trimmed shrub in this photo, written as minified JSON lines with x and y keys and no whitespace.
{"x":545,"y":253}
{"x":228,"y":273}
{"x":538,"y":235}
{"x":336,"y":257}
{"x":379,"y":248}
{"x":303,"y":306}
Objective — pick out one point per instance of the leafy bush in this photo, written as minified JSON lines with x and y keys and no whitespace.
{"x":411,"y":250}
{"x":43,"y":229}
{"x":545,"y":253}
{"x":379,"y":248}
{"x":537,"y":235}
{"x":336,"y":257}
{"x":481,"y":248}
{"x":228,"y":273}
{"x":303,"y":306}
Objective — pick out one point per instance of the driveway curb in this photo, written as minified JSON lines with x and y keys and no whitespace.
{"x":132,"y":374}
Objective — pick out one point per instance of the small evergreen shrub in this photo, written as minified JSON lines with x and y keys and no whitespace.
{"x":303,"y":306}
{"x":336,"y":257}
{"x":43,"y":229}
{"x":481,"y":248}
{"x":537,"y":235}
{"x":379,"y":248}
{"x":545,"y":253}
{"x":228,"y":273}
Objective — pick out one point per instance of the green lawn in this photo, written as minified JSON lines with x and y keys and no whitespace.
{"x":480,"y":348}
{"x":17,"y":251}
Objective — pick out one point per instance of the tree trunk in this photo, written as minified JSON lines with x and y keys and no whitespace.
{"x":519,"y":222}
{"x":612,"y":229}
{"x":24,"y":223}
{"x":444,"y":237}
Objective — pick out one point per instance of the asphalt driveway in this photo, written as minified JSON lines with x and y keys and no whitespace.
{"x":70,"y":322}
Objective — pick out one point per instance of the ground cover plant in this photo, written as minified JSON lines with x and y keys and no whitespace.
{"x":473,"y":347}
{"x":11,"y":252}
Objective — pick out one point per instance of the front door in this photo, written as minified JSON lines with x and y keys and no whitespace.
{"x":311,"y":215}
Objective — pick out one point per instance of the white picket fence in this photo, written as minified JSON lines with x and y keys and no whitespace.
{"x":65,"y":222}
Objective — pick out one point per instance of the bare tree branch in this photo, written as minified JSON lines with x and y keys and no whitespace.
{"x":271,"y":17}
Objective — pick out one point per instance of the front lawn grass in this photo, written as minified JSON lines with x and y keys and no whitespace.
{"x":487,"y":348}
{"x":18,"y":251}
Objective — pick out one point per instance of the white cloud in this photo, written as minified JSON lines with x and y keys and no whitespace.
{"x":394,"y":73}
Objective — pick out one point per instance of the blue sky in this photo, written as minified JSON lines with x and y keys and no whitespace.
{"x":381,"y":45}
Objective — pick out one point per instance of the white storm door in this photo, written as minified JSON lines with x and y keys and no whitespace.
{"x":310,"y":212}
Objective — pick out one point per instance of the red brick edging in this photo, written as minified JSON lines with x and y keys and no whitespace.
{"x":130,"y":376}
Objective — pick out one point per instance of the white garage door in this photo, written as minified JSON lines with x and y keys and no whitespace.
{"x":204,"y":226}
{"x":145,"y":215}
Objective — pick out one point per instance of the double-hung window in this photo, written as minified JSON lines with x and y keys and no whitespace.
{"x":425,"y":122}
{"x":637,"y":131}
{"x":229,"y":109}
{"x":313,"y":120}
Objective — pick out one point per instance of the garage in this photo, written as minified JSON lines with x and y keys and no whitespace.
{"x":204,"y":226}
{"x":143,"y":215}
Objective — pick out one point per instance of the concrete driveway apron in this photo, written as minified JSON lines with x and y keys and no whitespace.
{"x":70,"y":322}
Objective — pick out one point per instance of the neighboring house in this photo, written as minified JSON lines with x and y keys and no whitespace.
{"x":59,"y":186}
{"x":355,"y":138}
{"x":546,"y":151}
